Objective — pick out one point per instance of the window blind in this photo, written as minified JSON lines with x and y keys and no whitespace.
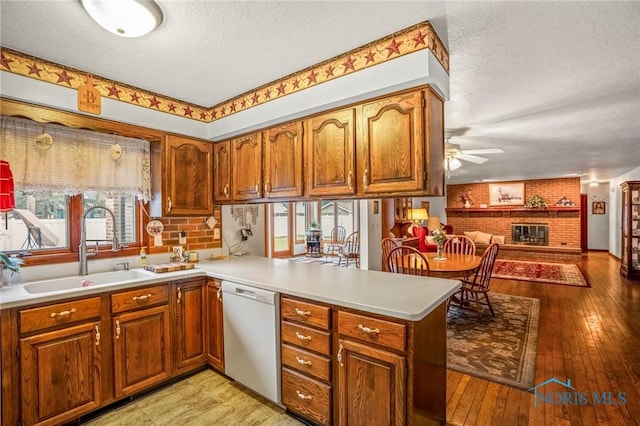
{"x":74,"y":160}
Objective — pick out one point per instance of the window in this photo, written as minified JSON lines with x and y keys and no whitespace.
{"x":338,"y":213}
{"x":301,"y":222}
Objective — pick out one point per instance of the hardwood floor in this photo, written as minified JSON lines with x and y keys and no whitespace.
{"x":588,"y":335}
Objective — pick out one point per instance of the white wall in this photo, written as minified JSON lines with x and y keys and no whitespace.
{"x":231,"y":229}
{"x":370,"y":235}
{"x":437,"y":206}
{"x":598,"y":224}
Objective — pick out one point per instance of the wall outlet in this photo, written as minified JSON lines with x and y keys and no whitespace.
{"x":183,"y":237}
{"x":216,"y":233}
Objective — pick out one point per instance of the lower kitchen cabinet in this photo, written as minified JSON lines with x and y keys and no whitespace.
{"x":189,"y":324}
{"x":214,"y":325}
{"x":372,"y":385}
{"x":60,"y":374}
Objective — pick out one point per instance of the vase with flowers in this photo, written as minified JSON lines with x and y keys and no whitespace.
{"x":439,"y":237}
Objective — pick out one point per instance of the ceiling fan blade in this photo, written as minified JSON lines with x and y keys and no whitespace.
{"x":483,"y":151}
{"x":472,"y":158}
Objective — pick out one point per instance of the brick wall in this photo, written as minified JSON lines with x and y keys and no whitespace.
{"x":199,"y":236}
{"x":564,"y":227}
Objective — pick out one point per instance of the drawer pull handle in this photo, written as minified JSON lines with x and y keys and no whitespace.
{"x":302,"y":361}
{"x":340,"y":355}
{"x":368,"y":330}
{"x":303,"y":396}
{"x":143,"y":297}
{"x":301,"y":337}
{"x":117,"y":329}
{"x":63,"y":314}
{"x":97,"y":335}
{"x":169,"y":204}
{"x":179,"y":294}
{"x":303,"y":313}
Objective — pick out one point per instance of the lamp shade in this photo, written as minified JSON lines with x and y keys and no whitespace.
{"x":7,"y":197}
{"x":433,"y":223}
{"x":126,"y":18}
{"x":418,"y":215}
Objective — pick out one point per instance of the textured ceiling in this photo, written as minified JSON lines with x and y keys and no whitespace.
{"x":556,"y":85}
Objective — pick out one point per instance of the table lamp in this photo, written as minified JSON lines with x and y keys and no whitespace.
{"x":433,"y":223}
{"x":418,"y":216}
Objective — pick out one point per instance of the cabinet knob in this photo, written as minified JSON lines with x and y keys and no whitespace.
{"x":302,"y":337}
{"x":303,"y":361}
{"x":303,"y":313}
{"x":226,"y":190}
{"x":179,"y":294}
{"x":142,"y":298}
{"x":339,"y":356}
{"x":258,"y":187}
{"x":219,"y":294}
{"x":303,"y":396}
{"x":350,"y":180}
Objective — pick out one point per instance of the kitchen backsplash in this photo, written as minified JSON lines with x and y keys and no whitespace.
{"x":198,"y":234}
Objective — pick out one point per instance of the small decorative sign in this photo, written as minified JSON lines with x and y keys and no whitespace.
{"x":89,"y":99}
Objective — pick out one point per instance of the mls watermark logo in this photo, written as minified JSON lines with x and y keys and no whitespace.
{"x":571,"y":396}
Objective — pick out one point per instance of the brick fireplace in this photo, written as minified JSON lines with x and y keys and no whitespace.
{"x":533,"y":234}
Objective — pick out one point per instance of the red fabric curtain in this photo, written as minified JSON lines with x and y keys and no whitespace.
{"x":7,"y":197}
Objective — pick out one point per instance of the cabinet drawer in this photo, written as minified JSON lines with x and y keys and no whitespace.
{"x":305,"y":313}
{"x":139,"y":298}
{"x":386,"y":333}
{"x":305,"y":337}
{"x":306,"y":362}
{"x":306,"y":396}
{"x":58,"y":314}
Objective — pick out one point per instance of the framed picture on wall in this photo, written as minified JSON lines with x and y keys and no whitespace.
{"x":506,"y":194}
{"x":598,"y":207}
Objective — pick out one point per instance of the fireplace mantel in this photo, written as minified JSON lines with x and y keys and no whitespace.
{"x":512,"y":212}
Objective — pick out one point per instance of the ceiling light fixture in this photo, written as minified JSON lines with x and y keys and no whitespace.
{"x":126,"y":18}
{"x":593,"y":183}
{"x":451,"y":163}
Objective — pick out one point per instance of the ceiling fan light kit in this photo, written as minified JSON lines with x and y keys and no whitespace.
{"x":126,"y":18}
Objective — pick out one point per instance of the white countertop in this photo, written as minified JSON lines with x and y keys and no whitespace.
{"x":395,"y":295}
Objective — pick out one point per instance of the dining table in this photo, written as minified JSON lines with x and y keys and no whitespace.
{"x":452,"y":265}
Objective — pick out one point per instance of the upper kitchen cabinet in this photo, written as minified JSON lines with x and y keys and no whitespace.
{"x":188,"y":177}
{"x":283,"y":161}
{"x":246,"y":177}
{"x":222,"y":171}
{"x":330,"y":141}
{"x":401,"y":145}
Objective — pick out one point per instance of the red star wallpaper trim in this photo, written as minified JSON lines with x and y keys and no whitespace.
{"x":418,"y":37}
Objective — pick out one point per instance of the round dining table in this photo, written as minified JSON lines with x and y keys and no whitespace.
{"x":453,"y":265}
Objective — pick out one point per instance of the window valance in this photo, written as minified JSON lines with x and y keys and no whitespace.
{"x":55,"y":157}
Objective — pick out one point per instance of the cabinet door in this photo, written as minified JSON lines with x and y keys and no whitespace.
{"x":372,"y":385}
{"x":222,"y":171}
{"x":246,"y":176}
{"x":214,"y":325}
{"x":141,"y":349}
{"x":283,"y":161}
{"x":189,"y":176}
{"x":391,"y":145}
{"x":330,"y":153}
{"x":60,"y":374}
{"x":190,"y":333}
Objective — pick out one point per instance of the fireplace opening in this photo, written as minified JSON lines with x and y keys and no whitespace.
{"x":536,"y":234}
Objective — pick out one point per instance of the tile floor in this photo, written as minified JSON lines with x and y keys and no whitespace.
{"x":206,"y":398}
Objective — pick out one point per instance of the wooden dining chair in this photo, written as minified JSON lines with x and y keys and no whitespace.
{"x":350,"y":250}
{"x":386,"y":245}
{"x":338,"y":236}
{"x":459,"y":244}
{"x":476,"y":289}
{"x":407,"y":260}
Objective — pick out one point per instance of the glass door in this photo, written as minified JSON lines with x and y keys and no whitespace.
{"x":281,"y":226}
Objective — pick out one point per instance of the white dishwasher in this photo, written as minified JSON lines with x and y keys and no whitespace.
{"x":252,"y":338}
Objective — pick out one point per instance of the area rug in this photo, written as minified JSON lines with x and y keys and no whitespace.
{"x":319,"y":260}
{"x":552,"y":273}
{"x":501,"y":349}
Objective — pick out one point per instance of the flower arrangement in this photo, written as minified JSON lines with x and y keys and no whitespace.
{"x":535,"y":202}
{"x":439,"y":235}
{"x":466,"y":198}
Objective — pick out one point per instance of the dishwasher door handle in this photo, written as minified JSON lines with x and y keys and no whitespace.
{"x":245,"y":293}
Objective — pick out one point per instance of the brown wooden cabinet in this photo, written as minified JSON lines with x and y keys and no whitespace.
{"x":372,"y":385}
{"x":188,"y":176}
{"x":190,"y":341}
{"x":141,"y":339}
{"x":246,"y":175}
{"x":630,"y":238}
{"x":283,"y":160}
{"x":214,"y":325}
{"x":61,"y":373}
{"x":222,"y":172}
{"x":330,"y":141}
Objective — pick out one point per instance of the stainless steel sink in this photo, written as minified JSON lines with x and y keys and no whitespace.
{"x":106,"y":278}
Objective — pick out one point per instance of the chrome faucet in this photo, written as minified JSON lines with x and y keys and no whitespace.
{"x":82,"y":249}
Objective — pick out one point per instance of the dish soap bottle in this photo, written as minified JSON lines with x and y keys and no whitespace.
{"x":143,"y":256}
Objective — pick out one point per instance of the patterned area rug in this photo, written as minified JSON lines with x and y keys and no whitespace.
{"x":332,"y":261}
{"x":552,"y":273}
{"x":501,"y":348}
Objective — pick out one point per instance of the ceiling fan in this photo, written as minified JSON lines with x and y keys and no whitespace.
{"x":453,"y":154}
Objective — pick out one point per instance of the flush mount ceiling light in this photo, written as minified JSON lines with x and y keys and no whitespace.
{"x":593,"y":183}
{"x":126,"y":18}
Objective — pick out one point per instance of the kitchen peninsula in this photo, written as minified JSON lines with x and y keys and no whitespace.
{"x":377,"y":324}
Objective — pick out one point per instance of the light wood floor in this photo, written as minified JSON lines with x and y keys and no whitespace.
{"x":588,"y":335}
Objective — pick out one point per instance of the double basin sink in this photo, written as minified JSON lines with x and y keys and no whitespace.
{"x":92,"y":280}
